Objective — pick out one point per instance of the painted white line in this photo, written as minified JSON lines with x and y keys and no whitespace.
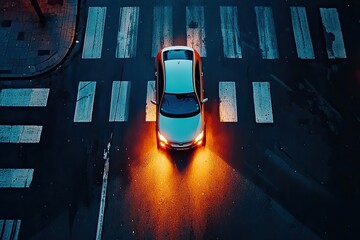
{"x":230,"y":32}
{"x":9,"y":229}
{"x":301,"y":31}
{"x":195,"y":29}
{"x":334,"y":39}
{"x":119,"y":107}
{"x":85,"y":102}
{"x":262,"y":102}
{"x":150,"y":108}
{"x":15,"y":178}
{"x":228,"y":105}
{"x":127,"y":32}
{"x":266,"y":31}
{"x":94,"y":32}
{"x":20,"y":134}
{"x":162,"y":32}
{"x":106,"y":157}
{"x":24,"y":97}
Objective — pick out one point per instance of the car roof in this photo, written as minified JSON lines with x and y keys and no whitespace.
{"x":178,"y":76}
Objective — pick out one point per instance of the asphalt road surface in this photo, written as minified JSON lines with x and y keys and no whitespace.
{"x":283,"y":120}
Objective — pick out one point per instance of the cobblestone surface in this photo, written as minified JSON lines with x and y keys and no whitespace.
{"x":28,"y":47}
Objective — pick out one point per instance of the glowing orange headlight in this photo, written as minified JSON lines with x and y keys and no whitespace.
{"x":162,"y":138}
{"x":199,"y":137}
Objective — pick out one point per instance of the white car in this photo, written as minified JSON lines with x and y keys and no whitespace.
{"x":180,"y":121}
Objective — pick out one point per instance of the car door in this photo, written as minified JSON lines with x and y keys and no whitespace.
{"x":199,"y":85}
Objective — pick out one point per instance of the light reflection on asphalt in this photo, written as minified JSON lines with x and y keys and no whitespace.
{"x":174,"y":196}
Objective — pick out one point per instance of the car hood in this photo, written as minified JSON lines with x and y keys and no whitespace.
{"x":180,"y":130}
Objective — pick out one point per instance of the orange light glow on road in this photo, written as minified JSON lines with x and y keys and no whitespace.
{"x":169,"y":201}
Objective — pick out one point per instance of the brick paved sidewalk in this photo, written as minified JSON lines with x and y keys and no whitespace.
{"x":28,"y":48}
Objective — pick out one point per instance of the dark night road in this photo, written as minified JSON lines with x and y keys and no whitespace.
{"x":78,"y":155}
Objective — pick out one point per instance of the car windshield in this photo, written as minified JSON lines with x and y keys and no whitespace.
{"x":179,"y":105}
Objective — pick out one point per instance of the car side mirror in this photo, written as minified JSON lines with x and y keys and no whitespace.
{"x":153,"y":102}
{"x":204,"y":100}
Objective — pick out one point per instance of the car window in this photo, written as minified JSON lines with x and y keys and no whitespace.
{"x":197,"y":79}
{"x":178,"y":54}
{"x":179,"y":105}
{"x":160,"y":80}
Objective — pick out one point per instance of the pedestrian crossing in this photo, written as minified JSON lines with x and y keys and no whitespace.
{"x":230,"y":32}
{"x":120,"y":94}
{"x":162,"y":28}
{"x":25,"y":134}
{"x":15,"y":178}
{"x":266,"y":32}
{"x":304,"y":46}
{"x":334,"y":40}
{"x":127,"y":33}
{"x":195,"y":29}
{"x":22,"y":97}
{"x":150,"y":111}
{"x":229,"y":26}
{"x":227,"y":105}
{"x":262,"y":102}
{"x":9,"y":229}
{"x":85,"y":102}
{"x":94,"y":33}
{"x":120,"y":101}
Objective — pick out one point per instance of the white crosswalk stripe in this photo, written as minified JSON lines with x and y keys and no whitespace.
{"x":150,"y":108}
{"x":9,"y":229}
{"x":162,"y":28}
{"x":262,"y":102}
{"x":267,"y":34}
{"x":119,"y":107}
{"x":230,"y":32}
{"x":16,"y":178}
{"x":24,"y":97}
{"x":334,"y":39}
{"x":85,"y":102}
{"x":195,"y":29}
{"x":162,"y":34}
{"x":20,"y":134}
{"x":94,"y":33}
{"x":301,"y":31}
{"x":128,"y":32}
{"x":227,"y":105}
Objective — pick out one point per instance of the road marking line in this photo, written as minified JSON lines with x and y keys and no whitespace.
{"x":119,"y":107}
{"x":262,"y":102}
{"x":85,"y":102}
{"x":24,"y":97}
{"x":334,"y":39}
{"x":301,"y":31}
{"x":9,"y":229}
{"x":230,"y":32}
{"x":94,"y":32}
{"x":195,"y":29}
{"x":127,"y":32}
{"x":20,"y":134}
{"x":106,"y":157}
{"x":163,"y":24}
{"x":267,"y":34}
{"x":150,"y":107}
{"x":228,"y":105}
{"x":16,"y":178}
